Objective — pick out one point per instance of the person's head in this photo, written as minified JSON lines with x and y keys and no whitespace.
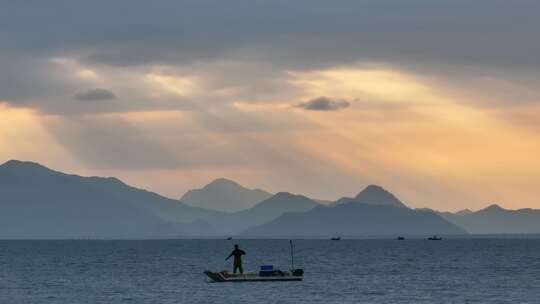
{"x":236,"y":246}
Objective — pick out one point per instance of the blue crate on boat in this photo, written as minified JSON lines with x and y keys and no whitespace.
{"x":267,"y":271}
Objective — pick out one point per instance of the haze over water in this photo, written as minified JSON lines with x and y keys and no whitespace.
{"x":347,"y":271}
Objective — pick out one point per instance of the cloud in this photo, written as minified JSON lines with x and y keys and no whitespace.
{"x":324,"y":104}
{"x":420,"y":37}
{"x":96,"y":94}
{"x":453,"y":32}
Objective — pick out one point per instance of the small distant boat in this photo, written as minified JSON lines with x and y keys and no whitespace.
{"x":229,"y":238}
{"x":267,"y":273}
{"x":336,"y":238}
{"x":400,"y":238}
{"x":434,"y":238}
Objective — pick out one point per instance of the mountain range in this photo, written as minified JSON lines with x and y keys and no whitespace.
{"x":496,"y":220}
{"x":355,"y":219}
{"x":37,"y":202}
{"x":372,"y":212}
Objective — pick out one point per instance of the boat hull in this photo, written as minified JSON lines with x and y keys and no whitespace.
{"x":251,"y":277}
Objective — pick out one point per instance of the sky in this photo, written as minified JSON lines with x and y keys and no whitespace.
{"x":437,"y":101}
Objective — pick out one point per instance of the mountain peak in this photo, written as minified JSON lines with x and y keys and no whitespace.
{"x":284,"y":202}
{"x":464,"y":212}
{"x":221,"y":181}
{"x":287,"y":197}
{"x":494,"y":207}
{"x":25,"y":168}
{"x":14,"y":163}
{"x":224,"y":195}
{"x":374,"y":188}
{"x":284,"y":194}
{"x":374,"y":194}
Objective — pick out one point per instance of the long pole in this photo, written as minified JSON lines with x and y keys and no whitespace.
{"x":292,"y":256}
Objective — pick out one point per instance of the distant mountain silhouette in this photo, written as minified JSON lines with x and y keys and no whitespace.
{"x":377,"y":195}
{"x":356,"y":219}
{"x":268,"y":210}
{"x":224,"y":195}
{"x":494,"y":219}
{"x":464,"y":212}
{"x":37,"y":202}
{"x":278,"y":204}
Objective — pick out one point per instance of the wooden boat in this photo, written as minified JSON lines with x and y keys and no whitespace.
{"x":277,"y":276}
{"x":336,"y":238}
{"x":400,"y":238}
{"x":266,"y":274}
{"x":434,"y":238}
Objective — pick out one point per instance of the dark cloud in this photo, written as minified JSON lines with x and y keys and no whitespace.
{"x":324,"y":104}
{"x":96,"y":94}
{"x":300,"y":33}
{"x":421,"y":35}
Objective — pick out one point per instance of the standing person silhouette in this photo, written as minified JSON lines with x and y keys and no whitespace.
{"x":237,"y":253}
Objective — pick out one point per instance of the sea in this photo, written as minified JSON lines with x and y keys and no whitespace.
{"x":469,"y":270}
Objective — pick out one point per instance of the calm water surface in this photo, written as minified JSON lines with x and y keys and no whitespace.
{"x":347,"y":271}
